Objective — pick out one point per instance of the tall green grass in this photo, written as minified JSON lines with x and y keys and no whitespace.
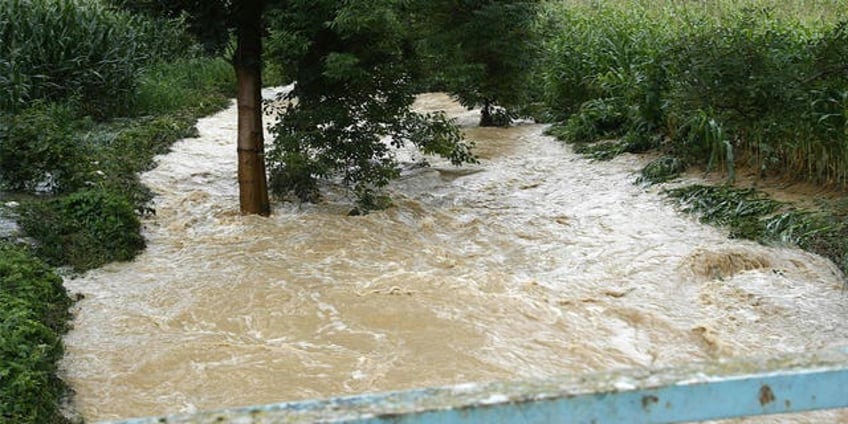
{"x":762,"y":84}
{"x":58,"y":49}
{"x":188,"y":83}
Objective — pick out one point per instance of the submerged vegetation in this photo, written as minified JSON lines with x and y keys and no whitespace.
{"x":750,"y":214}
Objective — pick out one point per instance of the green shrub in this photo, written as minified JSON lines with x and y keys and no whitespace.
{"x":39,"y":149}
{"x":85,"y":230}
{"x":597,"y":119}
{"x":33,"y":315}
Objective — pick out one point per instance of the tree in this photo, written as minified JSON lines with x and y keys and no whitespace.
{"x":247,"y":60}
{"x":481,"y":51}
{"x":211,"y":21}
{"x":354,"y":63}
{"x":355,"y":67}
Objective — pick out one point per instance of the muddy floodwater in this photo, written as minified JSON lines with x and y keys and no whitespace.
{"x":535,"y":262}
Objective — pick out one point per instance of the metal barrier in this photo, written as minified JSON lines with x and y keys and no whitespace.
{"x":725,"y":389}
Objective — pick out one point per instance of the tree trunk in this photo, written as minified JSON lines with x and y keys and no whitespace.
{"x":253,"y":188}
{"x":486,"y":119}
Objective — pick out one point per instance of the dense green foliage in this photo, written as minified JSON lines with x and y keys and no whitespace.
{"x":207,"y":20}
{"x":353,"y":63}
{"x":37,"y":152}
{"x":482,"y":52}
{"x":76,"y":63}
{"x":724,"y":86}
{"x":58,"y":49}
{"x":88,"y":96}
{"x":750,"y":214}
{"x":53,"y":148}
{"x":86,"y":229}
{"x":58,"y":145}
{"x":33,"y":315}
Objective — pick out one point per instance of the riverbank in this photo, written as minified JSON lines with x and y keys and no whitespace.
{"x":85,"y":228}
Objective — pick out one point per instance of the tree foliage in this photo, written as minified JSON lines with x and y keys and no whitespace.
{"x":208,"y":20}
{"x":482,"y":52}
{"x":354,"y":64}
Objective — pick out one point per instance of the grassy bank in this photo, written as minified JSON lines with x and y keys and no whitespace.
{"x":33,"y":317}
{"x":723,"y":86}
{"x":77,"y":126}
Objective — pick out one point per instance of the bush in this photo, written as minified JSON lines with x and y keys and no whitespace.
{"x":39,"y":151}
{"x":33,"y":315}
{"x":85,"y":230}
{"x":597,"y":119}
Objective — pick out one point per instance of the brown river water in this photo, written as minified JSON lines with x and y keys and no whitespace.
{"x":534,"y":263}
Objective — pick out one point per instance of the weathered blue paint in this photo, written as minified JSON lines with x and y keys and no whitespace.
{"x":695,"y":392}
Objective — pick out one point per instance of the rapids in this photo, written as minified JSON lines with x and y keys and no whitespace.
{"x":535,"y":262}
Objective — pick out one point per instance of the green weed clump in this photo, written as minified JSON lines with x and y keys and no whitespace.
{"x":33,"y":315}
{"x":202,"y":85}
{"x":85,"y":230}
{"x":661,"y":170}
{"x":37,"y":151}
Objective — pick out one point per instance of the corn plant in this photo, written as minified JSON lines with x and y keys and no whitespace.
{"x":55,"y":49}
{"x":753,"y":83}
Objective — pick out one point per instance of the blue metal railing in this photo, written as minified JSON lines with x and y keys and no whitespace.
{"x":726,"y":389}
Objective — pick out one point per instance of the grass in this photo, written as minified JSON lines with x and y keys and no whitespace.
{"x":720,"y":84}
{"x":197,"y":84}
{"x":56,"y":49}
{"x":807,"y":11}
